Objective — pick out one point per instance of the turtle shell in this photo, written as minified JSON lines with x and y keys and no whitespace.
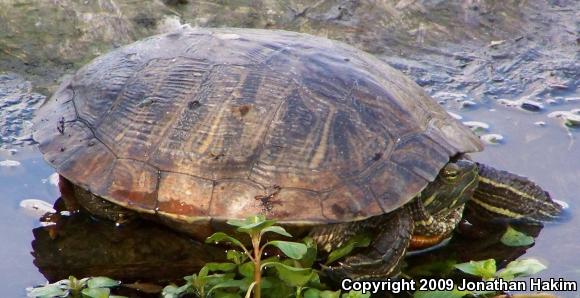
{"x":214,"y":124}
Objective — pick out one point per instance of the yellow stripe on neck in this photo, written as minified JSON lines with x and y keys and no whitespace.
{"x":514,"y":190}
{"x":498,"y":210}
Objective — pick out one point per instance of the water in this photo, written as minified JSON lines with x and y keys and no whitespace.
{"x":18,"y":183}
{"x":469,"y":55}
{"x":550,"y":156}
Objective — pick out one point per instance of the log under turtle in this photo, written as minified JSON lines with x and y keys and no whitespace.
{"x":200,"y":126}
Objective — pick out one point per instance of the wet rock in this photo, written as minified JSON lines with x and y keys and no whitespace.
{"x":455,"y":116}
{"x":36,"y":208}
{"x":9,"y":163}
{"x":524,"y":104}
{"x":468,"y":104}
{"x":46,"y":39}
{"x":569,"y":118}
{"x":492,"y":138}
{"x":477,"y":126}
{"x":17,"y":105}
{"x":540,"y":123}
{"x":496,"y":43}
{"x":532,"y":106}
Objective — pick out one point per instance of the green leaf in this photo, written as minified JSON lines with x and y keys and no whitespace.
{"x":485,"y":269}
{"x":222,"y":267}
{"x":252,"y":224}
{"x":223,"y":294}
{"x":102,"y":282}
{"x":521,"y":268}
{"x":438,"y":268}
{"x":214,"y":279}
{"x":73,"y":283}
{"x":237,"y":257}
{"x":355,"y":294}
{"x":247,"y":269}
{"x":250,"y":288}
{"x":316,"y":293}
{"x":173,"y":291}
{"x":295,"y":277}
{"x":96,"y":292}
{"x":360,"y":240}
{"x":275,"y":229}
{"x":293,"y":250}
{"x":309,"y":257}
{"x":170,"y":291}
{"x":513,"y":237}
{"x":275,"y":288}
{"x":49,"y":291}
{"x":223,"y":237}
{"x":455,"y":293}
{"x":238,"y":284}
{"x":203,"y":272}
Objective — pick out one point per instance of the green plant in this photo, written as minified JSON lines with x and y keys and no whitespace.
{"x":91,"y":287}
{"x":256,"y":227}
{"x":513,"y":237}
{"x":250,"y":270}
{"x":487,"y":271}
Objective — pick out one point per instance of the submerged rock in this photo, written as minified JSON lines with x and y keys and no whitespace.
{"x":492,"y":138}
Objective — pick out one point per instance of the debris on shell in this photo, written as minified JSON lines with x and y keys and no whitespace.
{"x":540,"y":123}
{"x":492,"y":138}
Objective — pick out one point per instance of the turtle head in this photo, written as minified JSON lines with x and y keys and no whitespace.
{"x":453,"y":186}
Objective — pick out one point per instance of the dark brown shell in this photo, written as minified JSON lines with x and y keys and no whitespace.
{"x":223,"y":123}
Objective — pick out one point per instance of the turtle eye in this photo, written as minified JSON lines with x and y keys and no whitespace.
{"x":450,"y":172}
{"x":450,"y":175}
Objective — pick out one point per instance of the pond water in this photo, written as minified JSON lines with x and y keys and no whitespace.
{"x":480,"y":59}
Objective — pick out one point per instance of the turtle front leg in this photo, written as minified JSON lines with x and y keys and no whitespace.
{"x":381,"y":258}
{"x":501,"y":195}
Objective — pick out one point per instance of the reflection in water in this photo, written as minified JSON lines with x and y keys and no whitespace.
{"x":144,"y":251}
{"x":137,"y":251}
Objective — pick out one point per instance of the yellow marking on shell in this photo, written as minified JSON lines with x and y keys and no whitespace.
{"x":498,"y":210}
{"x":505,"y":186}
{"x":214,"y":127}
{"x":320,"y":151}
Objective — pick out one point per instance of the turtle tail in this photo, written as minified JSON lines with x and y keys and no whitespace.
{"x":502,"y":195}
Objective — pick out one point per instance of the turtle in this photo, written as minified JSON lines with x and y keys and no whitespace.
{"x":202,"y":125}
